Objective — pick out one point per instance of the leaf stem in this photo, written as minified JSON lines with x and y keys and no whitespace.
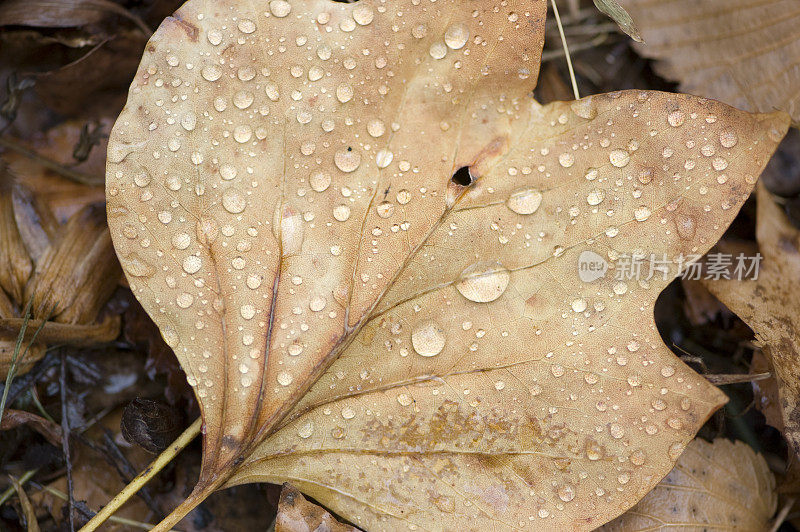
{"x":136,"y":484}
{"x":566,"y":51}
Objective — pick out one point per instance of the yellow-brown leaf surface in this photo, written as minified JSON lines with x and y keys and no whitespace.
{"x":770,"y":306}
{"x":722,"y":485}
{"x":741,"y":52}
{"x":407,"y":348}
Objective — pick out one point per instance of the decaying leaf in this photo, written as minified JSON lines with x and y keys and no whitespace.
{"x":742,"y":52}
{"x":295,"y":513}
{"x":770,"y":306}
{"x":361,"y":237}
{"x":66,"y":272}
{"x":16,"y":418}
{"x":722,"y":485}
{"x":62,"y":14}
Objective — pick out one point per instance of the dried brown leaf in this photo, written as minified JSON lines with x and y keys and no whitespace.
{"x":742,"y":52}
{"x":295,"y":513}
{"x":64,"y":197}
{"x":405,"y":347}
{"x":770,"y":306}
{"x":16,"y":418}
{"x":16,"y":266}
{"x":722,"y":485}
{"x":78,"y":273}
{"x":61,"y":14}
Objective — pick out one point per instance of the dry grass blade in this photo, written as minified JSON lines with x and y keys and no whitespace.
{"x":29,"y":512}
{"x":18,"y":355}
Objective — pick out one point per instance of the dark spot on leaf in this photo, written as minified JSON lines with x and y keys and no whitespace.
{"x":463,"y":177}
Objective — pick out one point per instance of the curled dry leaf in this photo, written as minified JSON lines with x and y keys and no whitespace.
{"x":16,"y":418}
{"x":66,"y":272}
{"x":770,"y":306}
{"x":722,"y":485}
{"x":407,"y":348}
{"x":295,"y":513}
{"x":742,"y":52}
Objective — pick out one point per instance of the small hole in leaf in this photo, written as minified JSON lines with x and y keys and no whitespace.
{"x":462,"y":177}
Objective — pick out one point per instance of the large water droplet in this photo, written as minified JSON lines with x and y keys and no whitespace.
{"x":347,"y":160}
{"x":456,"y":36}
{"x":363,"y":14}
{"x":483,"y":282}
{"x":619,"y":158}
{"x":233,"y":201}
{"x":525,"y":201}
{"x":280,"y":8}
{"x":428,"y":338}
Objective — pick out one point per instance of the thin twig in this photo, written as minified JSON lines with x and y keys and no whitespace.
{"x":549,"y":55}
{"x":157,"y":465}
{"x":566,"y":51}
{"x":50,"y":164}
{"x":782,"y":515}
{"x":65,"y":440}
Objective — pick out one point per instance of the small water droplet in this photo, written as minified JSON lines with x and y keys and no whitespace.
{"x":306,"y":430}
{"x":619,"y":158}
{"x":285,"y":378}
{"x":376,"y":128}
{"x":384,"y":158}
{"x":438,"y":50}
{"x":566,"y":159}
{"x":642,"y":213}
{"x":676,"y":118}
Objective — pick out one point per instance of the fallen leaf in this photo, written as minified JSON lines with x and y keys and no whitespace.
{"x":295,"y":513}
{"x":770,"y":306}
{"x":360,"y":235}
{"x":62,"y":14}
{"x":722,"y":485}
{"x":740,"y":52}
{"x":16,"y":418}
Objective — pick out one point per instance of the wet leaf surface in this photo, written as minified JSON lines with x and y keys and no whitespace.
{"x":361,"y":237}
{"x":721,"y":485}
